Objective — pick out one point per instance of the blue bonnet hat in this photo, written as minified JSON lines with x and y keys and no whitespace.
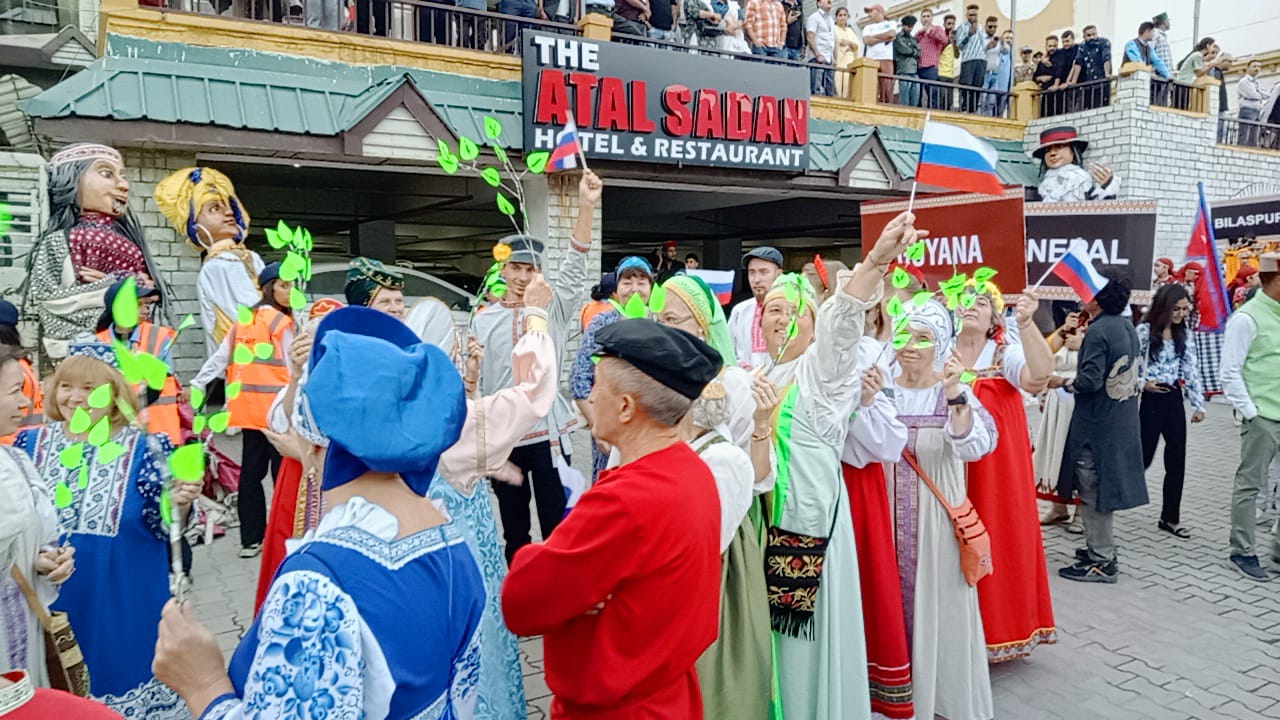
{"x":386,"y":401}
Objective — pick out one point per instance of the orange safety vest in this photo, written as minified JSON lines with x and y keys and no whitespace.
{"x":162,"y":415}
{"x":35,"y":412}
{"x":259,"y":380}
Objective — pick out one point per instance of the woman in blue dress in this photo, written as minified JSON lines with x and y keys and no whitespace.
{"x":376,"y":613}
{"x":110,"y":511}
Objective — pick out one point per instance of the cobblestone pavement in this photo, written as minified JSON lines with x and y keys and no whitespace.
{"x":1180,"y":636}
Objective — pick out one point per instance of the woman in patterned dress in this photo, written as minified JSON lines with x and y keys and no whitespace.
{"x":109,"y":506}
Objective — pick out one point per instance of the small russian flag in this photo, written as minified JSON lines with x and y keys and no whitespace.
{"x":565,"y":154}
{"x":720,"y":282}
{"x":950,"y":157}
{"x":1076,"y":269}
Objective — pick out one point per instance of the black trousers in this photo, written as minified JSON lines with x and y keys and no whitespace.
{"x":972,"y":74}
{"x":259,"y":456}
{"x":1162,"y":414}
{"x":542,"y":483}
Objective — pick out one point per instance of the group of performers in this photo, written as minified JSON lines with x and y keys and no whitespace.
{"x":770,"y":534}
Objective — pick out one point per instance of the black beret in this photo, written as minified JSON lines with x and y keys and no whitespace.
{"x":671,"y":356}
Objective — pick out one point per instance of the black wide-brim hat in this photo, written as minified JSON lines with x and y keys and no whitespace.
{"x":1058,"y":136}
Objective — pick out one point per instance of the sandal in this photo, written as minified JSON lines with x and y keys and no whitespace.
{"x":1176,"y":530}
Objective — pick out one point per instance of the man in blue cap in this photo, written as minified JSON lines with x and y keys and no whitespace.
{"x":635,"y":279}
{"x":498,"y":327}
{"x":627,"y":592}
{"x":763,"y":266}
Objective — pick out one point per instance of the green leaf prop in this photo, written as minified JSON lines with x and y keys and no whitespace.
{"x":924,"y":344}
{"x":242,"y":355}
{"x":264,"y":350}
{"x":62,"y":496}
{"x":467,"y":149}
{"x":901,"y":323}
{"x":273,"y":239}
{"x":219,"y":421}
{"x":153,"y":369}
{"x":233,"y":390}
{"x":492,"y":128}
{"x":124,"y":309}
{"x":187,"y":463}
{"x":900,"y":340}
{"x":100,"y":432}
{"x":128,"y":365}
{"x":968,"y":300}
{"x":537,"y":161}
{"x":6,"y":219}
{"x":110,"y":452}
{"x":901,"y":278}
{"x":101,"y":396}
{"x":71,"y":456}
{"x":793,"y":328}
{"x":984,"y":274}
{"x":448,"y":163}
{"x":505,"y":206}
{"x":187,"y":322}
{"x":197,"y":398}
{"x":125,"y":410}
{"x":292,"y":266}
{"x":967,"y":377}
{"x":306,"y":270}
{"x":895,"y":307}
{"x":491,"y":176}
{"x":82,"y":477}
{"x":166,"y":508}
{"x":657,"y":299}
{"x":297,"y":299}
{"x":920,"y":298}
{"x":245,"y":315}
{"x":915,"y":252}
{"x":500,"y":154}
{"x":80,"y":421}
{"x":306,"y":244}
{"x":198,"y":424}
{"x":284,"y":232}
{"x":635,"y":307}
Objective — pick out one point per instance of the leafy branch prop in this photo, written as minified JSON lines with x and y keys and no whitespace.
{"x":467,"y":157}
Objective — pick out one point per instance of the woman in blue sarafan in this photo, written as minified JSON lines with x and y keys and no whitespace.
{"x":109,"y":510}
{"x":375,"y":614}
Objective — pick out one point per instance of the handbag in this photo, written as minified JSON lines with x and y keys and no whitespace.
{"x":67,"y":669}
{"x":971,"y":534}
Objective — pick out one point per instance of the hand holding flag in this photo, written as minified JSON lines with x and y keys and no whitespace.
{"x":564,"y":156}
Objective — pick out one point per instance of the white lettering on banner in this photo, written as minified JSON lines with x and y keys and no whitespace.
{"x":544,"y":138}
{"x":566,"y":53}
{"x":603,"y":143}
{"x":955,"y":250}
{"x":1235,"y":221}
{"x":1051,"y":250}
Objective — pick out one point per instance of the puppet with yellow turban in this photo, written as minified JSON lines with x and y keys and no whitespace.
{"x":202,"y":205}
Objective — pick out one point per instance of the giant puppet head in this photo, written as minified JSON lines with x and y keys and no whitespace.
{"x":1059,"y":147}
{"x":202,"y":205}
{"x":90,"y":178}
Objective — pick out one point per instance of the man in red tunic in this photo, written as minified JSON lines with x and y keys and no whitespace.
{"x":626,"y":592}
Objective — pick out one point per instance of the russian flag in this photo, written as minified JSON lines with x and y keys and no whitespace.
{"x":1211,"y":289}
{"x":565,"y":154}
{"x":950,"y":157}
{"x":1076,"y":269}
{"x":720,"y":282}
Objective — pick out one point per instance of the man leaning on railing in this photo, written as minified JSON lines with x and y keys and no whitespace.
{"x":1252,"y":97}
{"x":1142,"y":50}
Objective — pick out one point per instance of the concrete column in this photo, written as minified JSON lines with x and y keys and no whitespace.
{"x":596,"y":27}
{"x":1026,"y":95}
{"x":866,"y":75}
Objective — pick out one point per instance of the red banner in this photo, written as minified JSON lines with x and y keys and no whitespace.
{"x":965,"y":231}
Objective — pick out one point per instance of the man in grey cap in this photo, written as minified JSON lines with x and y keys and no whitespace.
{"x":763,"y":266}
{"x":498,"y":328}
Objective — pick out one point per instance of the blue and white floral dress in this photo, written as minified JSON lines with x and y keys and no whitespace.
{"x":360,"y":625}
{"x":121,"y":582}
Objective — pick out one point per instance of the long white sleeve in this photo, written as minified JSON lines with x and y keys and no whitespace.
{"x":981,"y":438}
{"x":216,"y":366}
{"x":1240,"y":333}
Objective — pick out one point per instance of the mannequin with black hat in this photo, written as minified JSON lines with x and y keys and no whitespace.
{"x":627,"y":591}
{"x":498,"y":327}
{"x":259,"y":379}
{"x":1061,"y":155}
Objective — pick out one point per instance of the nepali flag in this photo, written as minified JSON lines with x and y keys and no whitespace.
{"x":720,"y":282}
{"x":565,"y":154}
{"x":950,"y":157}
{"x":1076,"y":269}
{"x":1211,"y":288}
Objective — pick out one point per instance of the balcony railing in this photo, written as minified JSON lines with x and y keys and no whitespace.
{"x":414,"y":20}
{"x":1248,"y":133}
{"x":1179,"y":96}
{"x":911,"y":91}
{"x":1078,"y":97}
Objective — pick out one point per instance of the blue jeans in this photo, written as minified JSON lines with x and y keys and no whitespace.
{"x":908,"y":92}
{"x":768,"y":51}
{"x":660,"y":34}
{"x":822,"y":79}
{"x":793,"y":53}
{"x":932,"y":94}
{"x":520,"y":8}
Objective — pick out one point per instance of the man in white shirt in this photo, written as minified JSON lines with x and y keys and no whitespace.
{"x":820,"y":34}
{"x":878,"y":36}
{"x":1251,"y":381}
{"x":1252,"y":98}
{"x":763,"y":265}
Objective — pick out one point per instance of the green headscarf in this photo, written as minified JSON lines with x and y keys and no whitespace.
{"x":707,"y":312}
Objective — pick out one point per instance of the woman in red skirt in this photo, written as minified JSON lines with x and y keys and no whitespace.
{"x":1017,"y":610}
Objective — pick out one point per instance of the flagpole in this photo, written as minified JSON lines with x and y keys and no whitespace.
{"x":1052,"y":265}
{"x":911,"y":202}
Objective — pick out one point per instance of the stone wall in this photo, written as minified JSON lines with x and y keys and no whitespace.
{"x":1161,"y":154}
{"x":561,"y":214}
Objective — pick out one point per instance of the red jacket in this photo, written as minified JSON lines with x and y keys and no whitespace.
{"x":647,"y":533}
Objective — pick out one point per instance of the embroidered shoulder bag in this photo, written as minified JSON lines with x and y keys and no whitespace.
{"x":67,"y":669}
{"x":971,"y":534}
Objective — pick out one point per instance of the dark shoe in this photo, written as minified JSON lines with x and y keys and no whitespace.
{"x":1088,"y":571}
{"x":250,"y":551}
{"x":1248,"y":566}
{"x":1082,"y":555}
{"x":1174,"y":528}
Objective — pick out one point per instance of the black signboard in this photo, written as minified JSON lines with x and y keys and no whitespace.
{"x":660,"y":105}
{"x":1243,"y":217}
{"x":1121,"y":236}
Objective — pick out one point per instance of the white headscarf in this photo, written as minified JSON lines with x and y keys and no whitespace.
{"x":934,"y":317}
{"x":431,"y":321}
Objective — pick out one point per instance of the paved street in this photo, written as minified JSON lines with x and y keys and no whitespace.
{"x":1181,"y":635}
